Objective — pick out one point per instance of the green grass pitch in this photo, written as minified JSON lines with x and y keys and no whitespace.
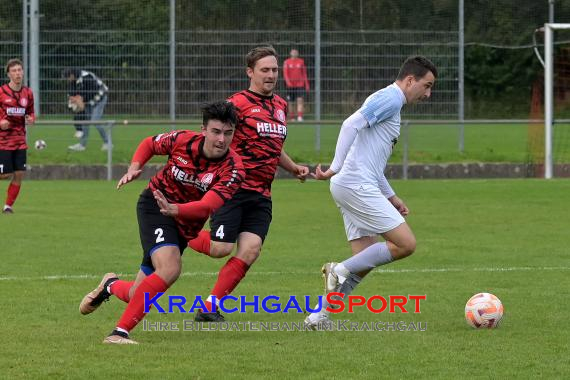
{"x":507,"y":237}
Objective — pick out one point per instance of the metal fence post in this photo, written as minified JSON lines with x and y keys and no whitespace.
{"x":318,"y":74}
{"x":109,"y":128}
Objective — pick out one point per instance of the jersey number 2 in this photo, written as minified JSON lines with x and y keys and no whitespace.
{"x":158,"y":232}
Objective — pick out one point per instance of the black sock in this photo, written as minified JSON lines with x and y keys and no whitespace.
{"x":120,"y":333}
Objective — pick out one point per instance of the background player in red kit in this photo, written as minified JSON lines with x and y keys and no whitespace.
{"x":200,"y":175}
{"x":295,"y":75}
{"x":259,"y":138}
{"x":16,"y":110}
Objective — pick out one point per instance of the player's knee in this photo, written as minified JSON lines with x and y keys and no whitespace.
{"x":408,"y":247}
{"x":18,"y":177}
{"x":249,"y":254}
{"x":5,"y":176}
{"x":169,"y":273}
{"x":219,"y":249}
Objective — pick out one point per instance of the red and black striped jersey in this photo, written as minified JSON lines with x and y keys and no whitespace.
{"x":188,"y":174}
{"x":14,"y":106}
{"x":259,"y":137}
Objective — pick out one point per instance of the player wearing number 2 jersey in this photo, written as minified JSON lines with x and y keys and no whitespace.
{"x":200,"y":175}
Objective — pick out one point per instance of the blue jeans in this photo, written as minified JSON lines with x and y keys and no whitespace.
{"x":95,"y":113}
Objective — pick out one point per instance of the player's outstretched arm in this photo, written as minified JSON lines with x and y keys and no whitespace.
{"x":143,"y":153}
{"x":132,"y":173}
{"x":299,"y":171}
{"x":322,"y":175}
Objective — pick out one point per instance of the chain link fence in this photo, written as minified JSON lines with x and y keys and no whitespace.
{"x":360,"y":44}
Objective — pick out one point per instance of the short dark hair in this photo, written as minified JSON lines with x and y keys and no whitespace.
{"x":223,"y":111}
{"x":418,"y":66}
{"x":13,"y":62}
{"x":258,"y":53}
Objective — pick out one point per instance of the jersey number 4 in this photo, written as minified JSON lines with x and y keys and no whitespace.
{"x":220,"y":232}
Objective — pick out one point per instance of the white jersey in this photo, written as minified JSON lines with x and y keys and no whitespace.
{"x":372,"y":147}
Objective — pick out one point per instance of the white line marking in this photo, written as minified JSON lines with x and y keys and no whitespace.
{"x":314,"y":273}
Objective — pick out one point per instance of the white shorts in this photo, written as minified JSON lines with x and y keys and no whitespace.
{"x":365,"y":211}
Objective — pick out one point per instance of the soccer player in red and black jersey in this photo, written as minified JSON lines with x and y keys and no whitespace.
{"x":259,"y":138}
{"x":295,"y":75}
{"x":16,"y":110}
{"x":201,"y":173}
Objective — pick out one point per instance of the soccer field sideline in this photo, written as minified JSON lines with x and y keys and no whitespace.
{"x":270,"y":273}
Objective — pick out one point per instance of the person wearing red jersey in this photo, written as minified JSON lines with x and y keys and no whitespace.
{"x":16,"y":110}
{"x":259,"y":138}
{"x":201,"y":173}
{"x":295,"y":75}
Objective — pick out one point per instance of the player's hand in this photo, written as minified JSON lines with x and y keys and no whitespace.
{"x":30,"y":119}
{"x":301,"y":172}
{"x":399,"y":205}
{"x":321,"y":175}
{"x":4,"y":124}
{"x":166,"y":208}
{"x":131,"y":175}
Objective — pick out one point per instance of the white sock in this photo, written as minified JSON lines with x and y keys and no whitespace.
{"x":369,"y":258}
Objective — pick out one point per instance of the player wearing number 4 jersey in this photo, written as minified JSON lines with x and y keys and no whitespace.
{"x":200,"y":175}
{"x":368,"y":205}
{"x":260,"y":135}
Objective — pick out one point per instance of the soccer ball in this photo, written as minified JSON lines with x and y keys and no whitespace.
{"x":484,"y":310}
{"x":40,"y":144}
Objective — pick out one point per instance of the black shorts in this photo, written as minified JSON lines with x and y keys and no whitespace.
{"x":295,"y":92}
{"x":13,"y":161}
{"x":156,"y":230}
{"x":247,"y":211}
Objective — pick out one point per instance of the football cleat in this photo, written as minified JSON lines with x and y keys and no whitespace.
{"x":95,"y":298}
{"x":117,"y":339}
{"x":7,"y":210}
{"x":319,"y":322}
{"x":209,"y":317}
{"x":332,"y":282}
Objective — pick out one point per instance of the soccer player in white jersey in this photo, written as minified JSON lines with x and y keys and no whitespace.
{"x":368,"y":204}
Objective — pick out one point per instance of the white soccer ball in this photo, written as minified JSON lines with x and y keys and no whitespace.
{"x":484,"y":310}
{"x":40,"y":144}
